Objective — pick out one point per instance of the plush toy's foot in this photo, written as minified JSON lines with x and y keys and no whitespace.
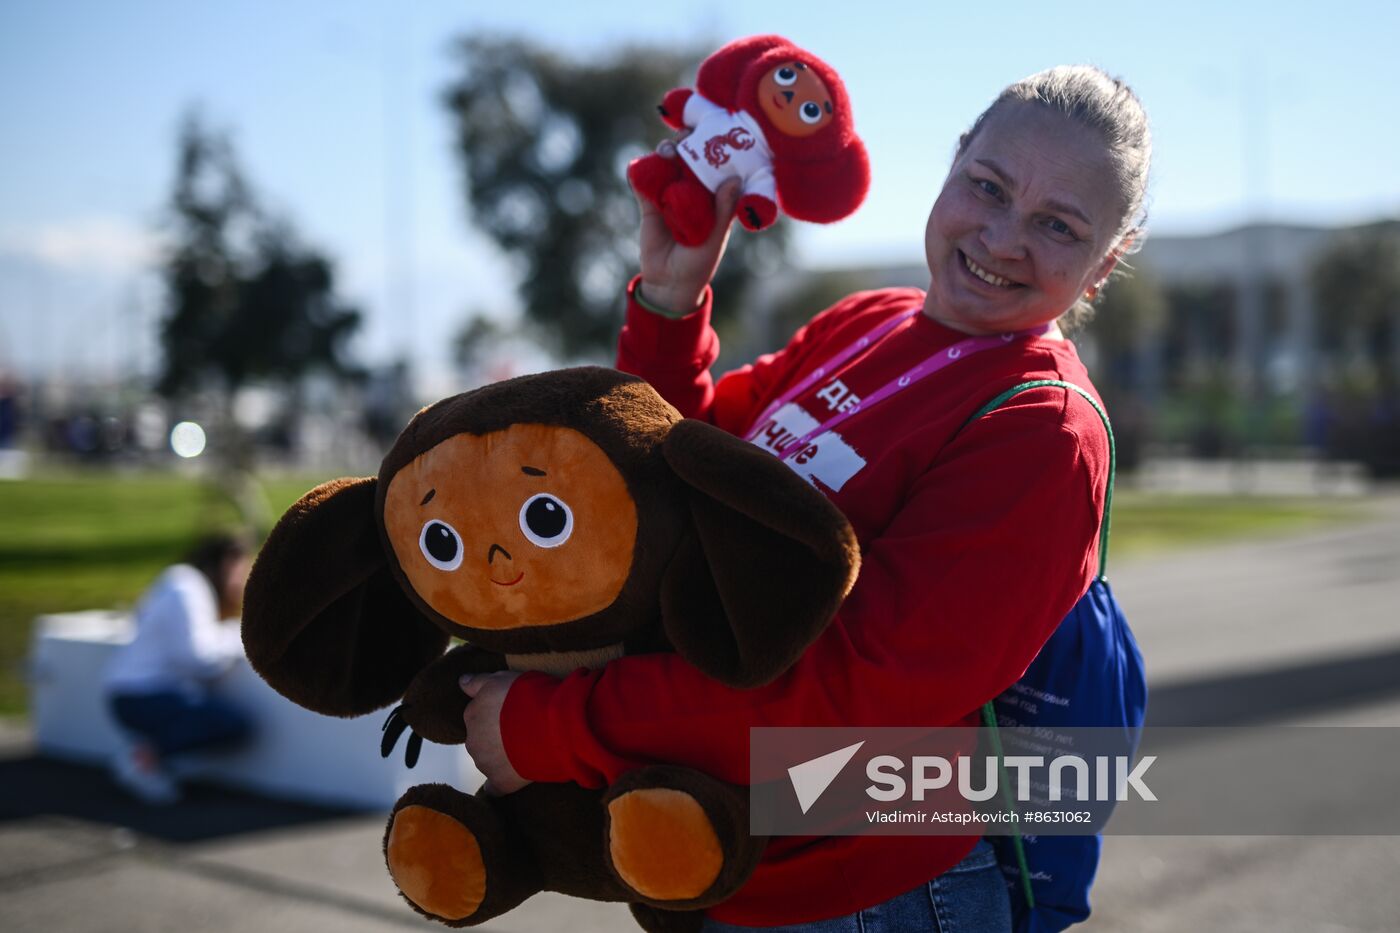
{"x":650,"y":174}
{"x":655,"y":920}
{"x":663,"y":844}
{"x":451,"y":858}
{"x":678,"y":838}
{"x":688,"y":208}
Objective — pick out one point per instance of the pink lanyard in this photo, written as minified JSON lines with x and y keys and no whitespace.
{"x":946,"y":357}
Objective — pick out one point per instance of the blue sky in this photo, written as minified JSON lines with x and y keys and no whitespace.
{"x":1278,"y":110}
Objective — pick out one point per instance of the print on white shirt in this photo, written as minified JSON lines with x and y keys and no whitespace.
{"x":838,"y":397}
{"x":726,"y":144}
{"x":827,"y":457}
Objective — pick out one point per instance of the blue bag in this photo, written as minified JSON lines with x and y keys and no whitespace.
{"x":1089,"y":673}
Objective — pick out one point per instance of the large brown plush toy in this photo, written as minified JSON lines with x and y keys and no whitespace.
{"x":552,"y":522}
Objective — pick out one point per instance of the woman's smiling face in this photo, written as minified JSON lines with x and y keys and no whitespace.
{"x":1028,"y":219}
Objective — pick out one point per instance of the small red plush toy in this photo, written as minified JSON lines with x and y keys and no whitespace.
{"x":771,"y":114}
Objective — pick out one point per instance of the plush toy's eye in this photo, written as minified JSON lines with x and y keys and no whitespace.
{"x":441,"y":545}
{"x":811,"y":112}
{"x":785,"y":76}
{"x":546,"y":520}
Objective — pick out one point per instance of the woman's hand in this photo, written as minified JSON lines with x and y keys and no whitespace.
{"x":674,"y":276}
{"x":483,"y":721}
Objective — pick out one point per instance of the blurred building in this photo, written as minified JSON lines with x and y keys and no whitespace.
{"x":1238,"y":353}
{"x":1243,"y":296}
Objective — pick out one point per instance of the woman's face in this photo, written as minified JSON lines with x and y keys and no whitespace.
{"x":1026,"y":222}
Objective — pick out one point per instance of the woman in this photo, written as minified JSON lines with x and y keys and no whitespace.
{"x":157,"y":684}
{"x":976,"y":539}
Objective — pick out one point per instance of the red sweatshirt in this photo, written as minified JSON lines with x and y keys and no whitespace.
{"x":973,"y":548}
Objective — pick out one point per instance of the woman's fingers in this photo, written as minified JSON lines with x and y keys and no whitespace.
{"x":676,"y":275}
{"x":726,"y":199}
{"x":728,"y":196}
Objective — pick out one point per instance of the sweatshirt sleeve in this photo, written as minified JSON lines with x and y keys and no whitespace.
{"x":993,"y":547}
{"x":675,"y":356}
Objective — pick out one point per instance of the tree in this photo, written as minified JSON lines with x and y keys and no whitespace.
{"x":1356,"y":287}
{"x":1129,"y":314}
{"x":544,"y":142}
{"x":246,"y":302}
{"x":246,"y":299}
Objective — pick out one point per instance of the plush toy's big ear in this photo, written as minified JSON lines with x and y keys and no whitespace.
{"x":823,"y":191}
{"x":324,"y":621}
{"x":767,"y":565}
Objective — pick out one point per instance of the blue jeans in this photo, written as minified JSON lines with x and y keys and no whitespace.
{"x":970,"y":897}
{"x":174,"y":722}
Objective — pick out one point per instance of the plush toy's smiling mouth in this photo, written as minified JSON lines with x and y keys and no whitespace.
{"x":777,"y":102}
{"x":511,"y":583}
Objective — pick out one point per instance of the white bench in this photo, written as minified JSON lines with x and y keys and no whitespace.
{"x":295,"y":753}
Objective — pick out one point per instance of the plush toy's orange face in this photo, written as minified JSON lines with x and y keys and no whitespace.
{"x":528,"y":526}
{"x":795,"y":99}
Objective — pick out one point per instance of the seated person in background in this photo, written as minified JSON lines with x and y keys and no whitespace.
{"x":157,"y":685}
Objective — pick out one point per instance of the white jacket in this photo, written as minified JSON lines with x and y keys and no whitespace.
{"x":180,"y":641}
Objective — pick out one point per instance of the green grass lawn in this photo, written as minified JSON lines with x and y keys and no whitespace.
{"x":1144,"y":523}
{"x":96,"y":540}
{"x":89,"y":541}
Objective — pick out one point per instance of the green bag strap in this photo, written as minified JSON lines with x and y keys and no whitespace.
{"x":989,"y":718}
{"x":1112,"y":451}
{"x":989,"y":715}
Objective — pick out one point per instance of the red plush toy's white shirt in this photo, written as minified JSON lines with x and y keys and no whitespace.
{"x":726,"y":144}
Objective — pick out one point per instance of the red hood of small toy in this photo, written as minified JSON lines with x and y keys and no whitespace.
{"x":730,"y":77}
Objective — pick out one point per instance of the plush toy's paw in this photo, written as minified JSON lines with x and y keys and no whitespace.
{"x":688,"y":208}
{"x":679,"y":838}
{"x":449,"y":856}
{"x":756,"y":212}
{"x":394,"y":727}
{"x":672,"y":107}
{"x":433,"y":704}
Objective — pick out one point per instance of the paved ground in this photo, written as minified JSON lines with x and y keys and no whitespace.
{"x":1303,"y":630}
{"x":1298,"y":630}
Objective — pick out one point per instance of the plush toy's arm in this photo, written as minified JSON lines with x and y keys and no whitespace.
{"x":433,"y":704}
{"x":760,"y":182}
{"x":757,"y":208}
{"x":697,"y":108}
{"x":672,"y":107}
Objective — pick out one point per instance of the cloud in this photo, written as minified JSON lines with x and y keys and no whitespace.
{"x":86,"y":244}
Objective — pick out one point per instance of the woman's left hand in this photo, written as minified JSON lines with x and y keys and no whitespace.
{"x":483,"y":721}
